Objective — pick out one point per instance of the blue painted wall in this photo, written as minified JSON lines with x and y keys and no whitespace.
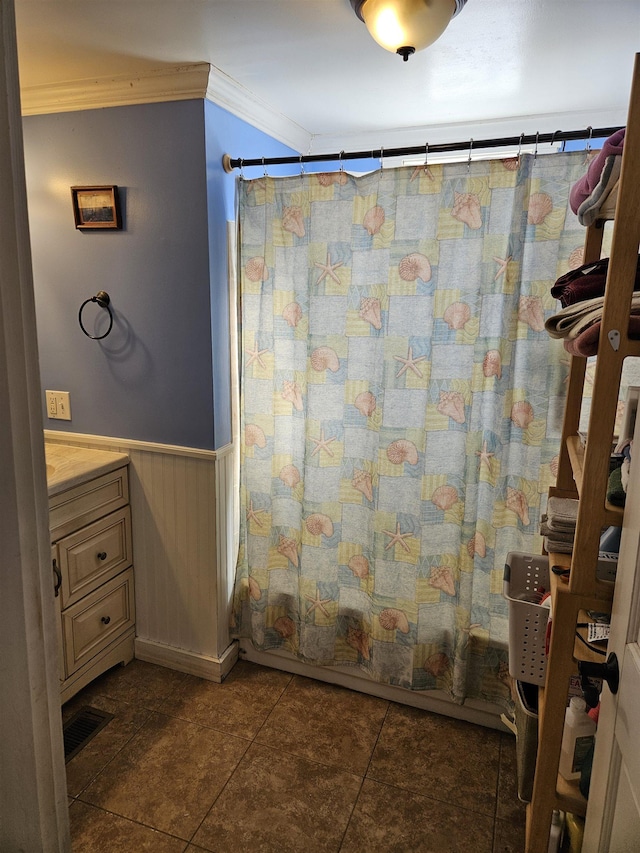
{"x":226,"y":134}
{"x":162,"y":375}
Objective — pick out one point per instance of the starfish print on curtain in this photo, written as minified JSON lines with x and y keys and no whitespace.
{"x":401,"y":406}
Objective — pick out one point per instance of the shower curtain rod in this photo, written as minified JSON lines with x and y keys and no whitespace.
{"x":231,"y":163}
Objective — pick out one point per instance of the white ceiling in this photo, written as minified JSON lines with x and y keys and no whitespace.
{"x":502,"y":67}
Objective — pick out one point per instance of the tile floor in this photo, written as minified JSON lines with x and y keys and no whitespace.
{"x":268,"y":761}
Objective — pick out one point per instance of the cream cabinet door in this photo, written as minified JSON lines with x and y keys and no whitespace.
{"x":613,"y":813}
{"x":625,"y":815}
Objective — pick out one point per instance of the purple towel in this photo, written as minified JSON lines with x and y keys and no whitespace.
{"x":586,"y":282}
{"x":586,"y":344}
{"x":583,"y":188}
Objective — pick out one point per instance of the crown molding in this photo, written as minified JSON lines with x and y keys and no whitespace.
{"x":169,"y":83}
{"x":240,"y":102}
{"x":202,"y":80}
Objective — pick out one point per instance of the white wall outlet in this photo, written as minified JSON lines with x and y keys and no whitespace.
{"x":58,"y":405}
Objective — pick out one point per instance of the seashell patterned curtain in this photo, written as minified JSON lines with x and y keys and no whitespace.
{"x":401,"y":411}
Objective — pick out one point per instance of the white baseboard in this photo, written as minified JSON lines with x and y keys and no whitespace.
{"x":213,"y":669}
{"x":473,"y":711}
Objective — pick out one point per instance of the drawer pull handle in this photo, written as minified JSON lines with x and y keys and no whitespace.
{"x":58,"y":581}
{"x":102,"y":555}
{"x":105,"y":620}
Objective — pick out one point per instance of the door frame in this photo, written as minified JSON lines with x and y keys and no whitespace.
{"x":33,"y":795}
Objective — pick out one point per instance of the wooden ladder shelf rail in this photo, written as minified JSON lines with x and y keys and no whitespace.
{"x":588,"y":483}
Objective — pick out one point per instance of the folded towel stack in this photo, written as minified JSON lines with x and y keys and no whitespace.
{"x":597,"y":190}
{"x":575,"y":319}
{"x":581,"y":293}
{"x":558,"y":526}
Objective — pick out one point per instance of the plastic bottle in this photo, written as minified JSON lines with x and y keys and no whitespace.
{"x":557,"y":831}
{"x":575,"y":831}
{"x":579,"y":731}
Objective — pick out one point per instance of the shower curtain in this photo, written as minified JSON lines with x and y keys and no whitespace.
{"x":401,"y":409}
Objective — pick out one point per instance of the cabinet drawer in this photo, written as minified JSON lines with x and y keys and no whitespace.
{"x":96,"y":620}
{"x":87,"y":502}
{"x":94,"y":554}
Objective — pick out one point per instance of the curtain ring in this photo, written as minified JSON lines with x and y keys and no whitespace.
{"x":588,"y":146}
{"x":520,"y":147}
{"x":553,"y":137}
{"x":469,"y":158}
{"x":264,"y":168}
{"x":426,"y":156}
{"x":381,"y":157}
{"x":341,"y":163}
{"x":535,"y":150}
{"x":302,"y":172}
{"x":103,"y":300}
{"x":241,"y":169}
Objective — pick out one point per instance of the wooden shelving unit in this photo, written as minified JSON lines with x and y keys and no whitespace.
{"x":583,"y":473}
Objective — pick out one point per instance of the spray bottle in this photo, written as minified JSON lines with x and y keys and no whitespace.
{"x":577,"y":738}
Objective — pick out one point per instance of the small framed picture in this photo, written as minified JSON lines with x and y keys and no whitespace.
{"x":96,"y":207}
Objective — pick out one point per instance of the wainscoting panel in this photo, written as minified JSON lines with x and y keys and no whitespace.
{"x":183,"y":550}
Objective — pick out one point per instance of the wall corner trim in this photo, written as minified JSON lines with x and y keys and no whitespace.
{"x":168,"y":83}
{"x":183,"y":660}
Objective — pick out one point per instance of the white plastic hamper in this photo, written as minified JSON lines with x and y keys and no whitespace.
{"x":525,"y":576}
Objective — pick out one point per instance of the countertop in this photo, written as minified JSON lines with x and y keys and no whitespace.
{"x":69,"y":466}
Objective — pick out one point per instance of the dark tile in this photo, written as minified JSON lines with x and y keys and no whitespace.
{"x":96,"y":831}
{"x":168,"y":775}
{"x":276,"y":802}
{"x":95,"y":756}
{"x":239,"y":705}
{"x":509,"y":837}
{"x":139,"y":683}
{"x":396,"y":821}
{"x":325,"y":723}
{"x":450,"y":760}
{"x":509,"y":806}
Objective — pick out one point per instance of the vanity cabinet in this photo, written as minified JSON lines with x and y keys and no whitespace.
{"x":92,"y":559}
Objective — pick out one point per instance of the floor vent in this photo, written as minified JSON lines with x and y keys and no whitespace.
{"x":84,"y":725}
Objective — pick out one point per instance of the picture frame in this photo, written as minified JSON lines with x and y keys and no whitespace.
{"x":96,"y":207}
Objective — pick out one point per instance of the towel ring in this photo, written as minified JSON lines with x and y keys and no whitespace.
{"x":103,"y":299}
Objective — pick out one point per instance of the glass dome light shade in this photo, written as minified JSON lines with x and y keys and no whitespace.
{"x":407,"y":23}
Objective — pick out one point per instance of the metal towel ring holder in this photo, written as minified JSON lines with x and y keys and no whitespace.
{"x":103,"y":299}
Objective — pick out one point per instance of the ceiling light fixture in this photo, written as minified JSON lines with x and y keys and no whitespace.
{"x":405,"y":26}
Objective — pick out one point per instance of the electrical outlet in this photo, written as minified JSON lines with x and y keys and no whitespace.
{"x":58,"y":405}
